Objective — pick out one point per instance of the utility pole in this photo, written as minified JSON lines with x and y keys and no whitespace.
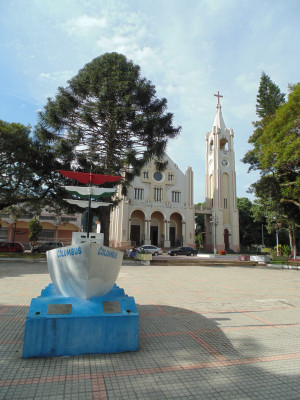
{"x":214,"y":223}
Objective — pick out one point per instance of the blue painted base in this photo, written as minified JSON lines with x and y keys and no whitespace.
{"x":86,"y":330}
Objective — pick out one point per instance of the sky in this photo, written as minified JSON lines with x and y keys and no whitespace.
{"x":189,"y":49}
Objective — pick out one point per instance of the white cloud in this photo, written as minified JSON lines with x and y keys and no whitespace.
{"x":84,"y":25}
{"x":58,"y":76}
{"x":44,"y":75}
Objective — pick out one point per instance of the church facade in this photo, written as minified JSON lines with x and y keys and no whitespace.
{"x":157,"y":210}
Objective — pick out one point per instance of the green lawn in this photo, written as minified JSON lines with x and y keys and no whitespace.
{"x":23,"y":255}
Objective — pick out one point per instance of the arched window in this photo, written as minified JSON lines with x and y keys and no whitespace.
{"x":224,"y":144}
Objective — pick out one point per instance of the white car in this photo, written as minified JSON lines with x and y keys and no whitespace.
{"x":148,"y":248}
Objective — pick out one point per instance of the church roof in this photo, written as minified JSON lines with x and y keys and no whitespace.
{"x":219,"y":121}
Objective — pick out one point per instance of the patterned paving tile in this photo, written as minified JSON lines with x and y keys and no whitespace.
{"x":205,"y":333}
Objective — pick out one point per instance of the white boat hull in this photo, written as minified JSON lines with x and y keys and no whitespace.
{"x":84,"y":270}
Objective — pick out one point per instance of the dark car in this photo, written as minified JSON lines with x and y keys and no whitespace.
{"x":46,"y":246}
{"x":12,"y":248}
{"x":183,"y":251}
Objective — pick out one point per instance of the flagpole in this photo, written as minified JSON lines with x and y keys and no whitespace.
{"x":89,"y":206}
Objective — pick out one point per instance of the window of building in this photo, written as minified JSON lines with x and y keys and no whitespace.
{"x":46,"y":235}
{"x":157,"y":176}
{"x":158,"y":194}
{"x":139,"y":194}
{"x":145,"y":174}
{"x":176,"y":197}
{"x":47,"y":217}
{"x":225,"y":203}
{"x":3,"y":233}
{"x":171,"y":177}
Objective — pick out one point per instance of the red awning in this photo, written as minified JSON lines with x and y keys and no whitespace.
{"x":87,"y":177}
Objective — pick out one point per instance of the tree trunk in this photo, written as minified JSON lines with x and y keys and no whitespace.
{"x":277,"y":243}
{"x":292,"y":238}
{"x":291,"y":235}
{"x":104,"y":217}
{"x":294,"y":248}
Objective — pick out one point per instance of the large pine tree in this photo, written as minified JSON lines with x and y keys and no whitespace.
{"x":268,"y":99}
{"x":113,"y":118}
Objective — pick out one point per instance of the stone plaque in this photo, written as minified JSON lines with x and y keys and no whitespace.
{"x":111,"y":307}
{"x":59,"y":309}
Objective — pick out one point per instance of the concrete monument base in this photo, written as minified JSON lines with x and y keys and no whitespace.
{"x":68,"y":326}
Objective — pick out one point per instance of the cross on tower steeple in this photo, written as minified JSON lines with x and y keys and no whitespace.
{"x":218,"y":96}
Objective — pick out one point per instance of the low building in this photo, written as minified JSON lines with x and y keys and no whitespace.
{"x":55,"y":228}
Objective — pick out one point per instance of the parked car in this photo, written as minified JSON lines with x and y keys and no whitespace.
{"x":148,"y":248}
{"x":183,"y":251}
{"x":12,"y":247}
{"x":46,"y":246}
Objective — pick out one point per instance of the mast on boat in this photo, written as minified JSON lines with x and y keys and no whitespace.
{"x":89,"y":192}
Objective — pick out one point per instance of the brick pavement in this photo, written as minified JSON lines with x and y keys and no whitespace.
{"x":205,"y":333}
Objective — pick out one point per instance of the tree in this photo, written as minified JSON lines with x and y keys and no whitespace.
{"x":268,"y":99}
{"x":250,"y":231}
{"x":268,"y":212}
{"x":280,"y":147}
{"x":26,"y":166}
{"x":113,"y":118}
{"x":35,"y":228}
{"x":199,"y":225}
{"x":16,"y":164}
{"x":276,"y":155}
{"x":277,"y":215}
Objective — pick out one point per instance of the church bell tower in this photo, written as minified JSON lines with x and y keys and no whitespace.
{"x":222,"y":217}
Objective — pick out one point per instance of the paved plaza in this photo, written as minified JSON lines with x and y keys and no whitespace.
{"x":206,"y":333}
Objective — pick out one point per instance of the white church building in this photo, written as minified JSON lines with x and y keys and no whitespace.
{"x":159,"y":206}
{"x":158,"y":209}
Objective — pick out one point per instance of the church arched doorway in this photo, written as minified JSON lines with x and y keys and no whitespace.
{"x":156,"y":229}
{"x":137,"y":233}
{"x":176,"y":232}
{"x":226,"y":239}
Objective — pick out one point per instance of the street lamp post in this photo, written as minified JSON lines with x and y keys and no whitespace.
{"x":214,"y":223}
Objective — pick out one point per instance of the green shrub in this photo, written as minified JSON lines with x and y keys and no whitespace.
{"x":267,"y":250}
{"x":286,"y":250}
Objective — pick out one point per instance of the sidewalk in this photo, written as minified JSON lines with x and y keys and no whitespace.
{"x":210,"y":333}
